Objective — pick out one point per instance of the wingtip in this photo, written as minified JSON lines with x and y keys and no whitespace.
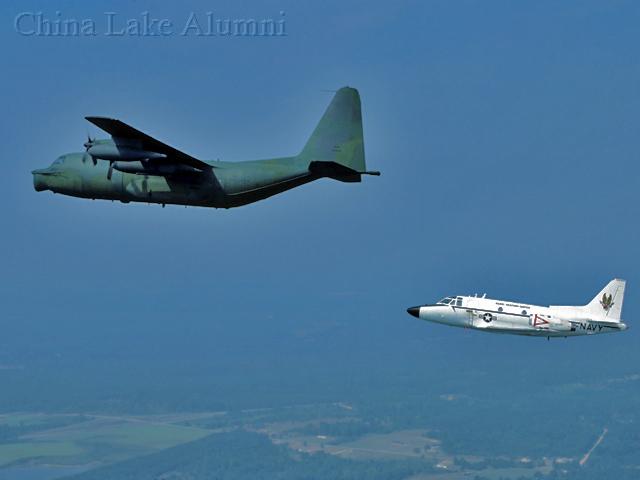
{"x":97,"y":117}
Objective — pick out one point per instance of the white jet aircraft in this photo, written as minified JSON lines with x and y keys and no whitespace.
{"x":601,"y":315}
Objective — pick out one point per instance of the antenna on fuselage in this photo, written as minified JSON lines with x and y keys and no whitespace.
{"x":484,"y":295}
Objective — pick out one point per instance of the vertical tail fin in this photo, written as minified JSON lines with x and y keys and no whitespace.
{"x":608,"y":303}
{"x":337,"y":141}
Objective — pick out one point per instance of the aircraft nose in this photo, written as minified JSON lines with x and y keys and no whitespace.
{"x":39,"y":182}
{"x":415,"y":311}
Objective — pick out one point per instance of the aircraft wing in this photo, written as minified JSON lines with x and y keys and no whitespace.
{"x":120,"y":130}
{"x":524,"y":331}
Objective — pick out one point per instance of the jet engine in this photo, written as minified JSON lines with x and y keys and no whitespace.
{"x":545,"y":322}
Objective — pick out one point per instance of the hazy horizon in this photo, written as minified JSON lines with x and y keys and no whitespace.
{"x":507,"y":138}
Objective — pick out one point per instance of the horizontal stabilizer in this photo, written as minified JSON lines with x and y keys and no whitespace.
{"x":605,"y":323}
{"x":338,"y":171}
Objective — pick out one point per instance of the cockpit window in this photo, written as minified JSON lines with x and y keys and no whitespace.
{"x":459,"y":302}
{"x":446,"y":301}
{"x":59,"y":161}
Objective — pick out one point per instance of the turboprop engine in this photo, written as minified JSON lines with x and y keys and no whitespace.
{"x":114,"y":152}
{"x":149,"y":167}
{"x":119,"y":154}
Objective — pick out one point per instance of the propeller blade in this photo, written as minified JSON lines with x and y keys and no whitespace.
{"x":87,"y":145}
{"x":110,"y":171}
{"x":89,"y":142}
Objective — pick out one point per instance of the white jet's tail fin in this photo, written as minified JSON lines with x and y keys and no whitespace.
{"x":608,"y":303}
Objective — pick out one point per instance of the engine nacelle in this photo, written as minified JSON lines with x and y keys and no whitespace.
{"x":146,"y":167}
{"x":561,"y":326}
{"x":545,"y":322}
{"x":113,"y":152}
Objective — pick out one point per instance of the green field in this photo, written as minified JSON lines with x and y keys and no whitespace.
{"x":16,"y":452}
{"x":99,"y":439}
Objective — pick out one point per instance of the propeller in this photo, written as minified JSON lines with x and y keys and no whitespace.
{"x":87,"y":145}
{"x":110,"y":170}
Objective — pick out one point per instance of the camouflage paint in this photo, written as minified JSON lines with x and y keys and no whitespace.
{"x":337,"y":138}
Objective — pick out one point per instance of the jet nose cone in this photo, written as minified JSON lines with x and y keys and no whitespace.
{"x":415,"y":311}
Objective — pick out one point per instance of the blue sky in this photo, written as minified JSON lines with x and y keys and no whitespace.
{"x":507,"y":135}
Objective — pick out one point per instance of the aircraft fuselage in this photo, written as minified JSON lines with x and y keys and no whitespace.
{"x":135,"y":167}
{"x":225,"y":185}
{"x":499,"y":316}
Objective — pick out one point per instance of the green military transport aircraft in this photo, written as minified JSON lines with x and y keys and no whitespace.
{"x":134,"y":167}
